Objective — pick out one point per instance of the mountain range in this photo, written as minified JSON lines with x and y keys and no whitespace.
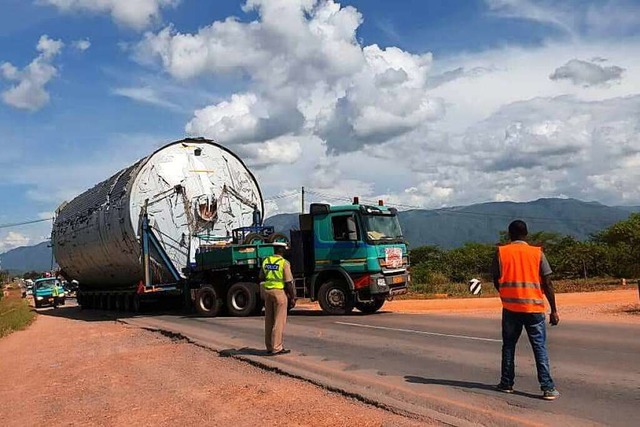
{"x":447,"y":227}
{"x":452,"y":227}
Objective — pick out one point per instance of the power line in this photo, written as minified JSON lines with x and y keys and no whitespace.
{"x":18,"y":224}
{"x":282,"y":196}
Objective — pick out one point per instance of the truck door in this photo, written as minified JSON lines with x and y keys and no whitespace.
{"x":340,"y":242}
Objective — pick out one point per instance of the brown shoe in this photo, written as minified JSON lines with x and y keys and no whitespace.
{"x":276,"y":353}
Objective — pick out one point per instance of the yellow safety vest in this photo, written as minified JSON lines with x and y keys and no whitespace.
{"x":273,"y":269}
{"x":55,"y":292}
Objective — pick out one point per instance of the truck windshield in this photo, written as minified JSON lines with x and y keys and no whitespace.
{"x":382,"y":228}
{"x":46,"y":284}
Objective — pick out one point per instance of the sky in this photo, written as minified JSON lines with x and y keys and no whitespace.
{"x":422,"y":103}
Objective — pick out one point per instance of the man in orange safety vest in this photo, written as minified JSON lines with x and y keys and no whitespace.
{"x":521,"y":274}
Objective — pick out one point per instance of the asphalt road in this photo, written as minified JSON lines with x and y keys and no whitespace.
{"x":447,"y":363}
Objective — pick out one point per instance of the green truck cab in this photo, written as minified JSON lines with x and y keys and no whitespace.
{"x":351,"y":256}
{"x":344,"y":257}
{"x":48,"y":291}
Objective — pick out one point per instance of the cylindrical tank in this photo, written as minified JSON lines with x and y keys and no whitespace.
{"x":190,"y":188}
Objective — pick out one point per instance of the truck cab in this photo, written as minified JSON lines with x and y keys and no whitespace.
{"x":351,"y":256}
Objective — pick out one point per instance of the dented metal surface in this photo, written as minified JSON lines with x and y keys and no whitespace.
{"x":192,"y":187}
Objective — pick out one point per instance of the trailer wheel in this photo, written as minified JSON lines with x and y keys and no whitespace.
{"x":370,"y":307}
{"x":208,"y":303}
{"x":335,"y":298}
{"x":242,"y":299}
{"x":135,"y":303}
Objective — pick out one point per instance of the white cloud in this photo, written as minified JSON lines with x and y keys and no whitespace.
{"x":350,"y":119}
{"x":587,"y":73}
{"x":13,"y":240}
{"x":235,"y":120}
{"x":29,"y":92}
{"x":544,"y":12}
{"x":82,"y":45}
{"x":146,"y":95}
{"x":136,"y":14}
{"x":308,"y":76}
{"x":577,"y":18}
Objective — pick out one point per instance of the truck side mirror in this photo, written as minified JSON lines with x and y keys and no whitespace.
{"x":352,"y":229}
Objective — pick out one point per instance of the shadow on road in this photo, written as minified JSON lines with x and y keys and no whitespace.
{"x":463,"y":384}
{"x":73,"y":311}
{"x":246,"y":351}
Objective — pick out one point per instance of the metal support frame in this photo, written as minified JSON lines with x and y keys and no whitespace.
{"x":150,"y":240}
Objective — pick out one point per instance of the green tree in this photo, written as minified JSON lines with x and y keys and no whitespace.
{"x":622,"y":240}
{"x":31,"y":275}
{"x":469,"y":260}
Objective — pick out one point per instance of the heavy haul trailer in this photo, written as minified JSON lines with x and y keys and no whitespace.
{"x":194,"y":191}
{"x":186,"y":222}
{"x":344,"y":257}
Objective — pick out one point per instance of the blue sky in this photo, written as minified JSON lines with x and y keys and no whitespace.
{"x":452,"y":89}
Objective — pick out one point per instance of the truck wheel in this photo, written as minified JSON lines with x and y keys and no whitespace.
{"x":257,"y":311}
{"x":335,"y":298}
{"x":370,"y":307}
{"x":242,"y":299}
{"x":208,"y":303}
{"x":278,"y":238}
{"x":126,"y":303}
{"x":37,"y":304}
{"x":135,"y":304}
{"x":253,"y":239}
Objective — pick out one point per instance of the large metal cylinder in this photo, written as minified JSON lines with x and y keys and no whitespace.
{"x":192,"y":189}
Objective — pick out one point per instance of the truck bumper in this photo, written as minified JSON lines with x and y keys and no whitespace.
{"x":389,"y":285}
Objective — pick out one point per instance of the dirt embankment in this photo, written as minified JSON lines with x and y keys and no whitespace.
{"x":72,"y":372}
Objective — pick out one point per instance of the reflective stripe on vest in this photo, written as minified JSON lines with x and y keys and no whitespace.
{"x":273,"y":268}
{"x":520,"y":289}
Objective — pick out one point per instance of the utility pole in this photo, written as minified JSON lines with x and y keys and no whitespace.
{"x":302,"y":206}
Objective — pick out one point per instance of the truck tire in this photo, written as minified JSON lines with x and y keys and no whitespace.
{"x":253,"y":239}
{"x":208,"y":302}
{"x":126,"y":303}
{"x":335,"y":298}
{"x":370,"y":307}
{"x":278,"y":238}
{"x":136,"y":304}
{"x":242,"y":299}
{"x":36,"y":303}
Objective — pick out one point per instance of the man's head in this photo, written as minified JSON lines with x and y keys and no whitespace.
{"x":518,"y":230}
{"x":279,"y":248}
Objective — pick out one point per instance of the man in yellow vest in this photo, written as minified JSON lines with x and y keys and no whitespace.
{"x":521,"y":274}
{"x":55,"y":293}
{"x":277,"y":290}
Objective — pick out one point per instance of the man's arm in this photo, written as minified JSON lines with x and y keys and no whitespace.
{"x":495,"y":271}
{"x":288,"y":281}
{"x":547,"y":288}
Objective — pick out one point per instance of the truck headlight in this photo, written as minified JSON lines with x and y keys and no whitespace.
{"x":39,"y":298}
{"x":382,"y":282}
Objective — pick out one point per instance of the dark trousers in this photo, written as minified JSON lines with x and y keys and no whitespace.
{"x":534,"y":324}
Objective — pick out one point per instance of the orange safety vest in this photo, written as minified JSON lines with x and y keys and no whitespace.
{"x":520,"y":289}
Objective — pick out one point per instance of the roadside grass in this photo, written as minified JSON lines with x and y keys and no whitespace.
{"x":441,"y":289}
{"x":15,"y":312}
